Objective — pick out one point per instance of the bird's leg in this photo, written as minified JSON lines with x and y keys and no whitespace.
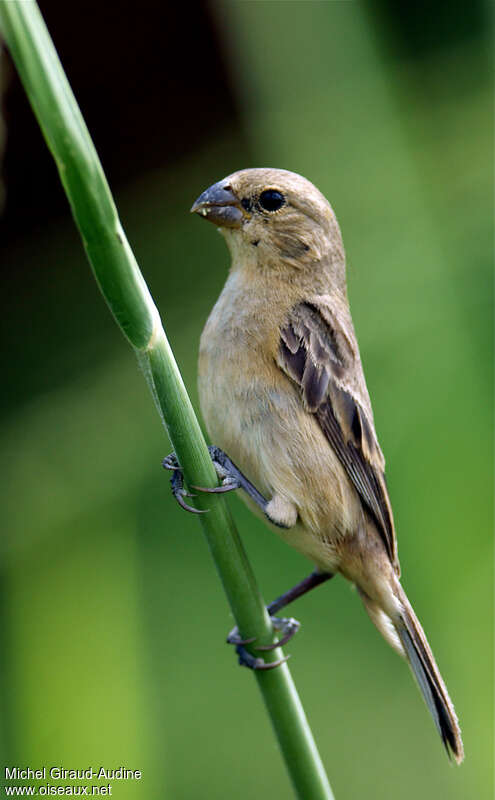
{"x":298,"y":590}
{"x":287,"y":625}
{"x":278,"y":511}
{"x":231,"y":477}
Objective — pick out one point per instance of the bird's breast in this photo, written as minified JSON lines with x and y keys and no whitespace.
{"x":256,"y":415}
{"x":238,"y":389}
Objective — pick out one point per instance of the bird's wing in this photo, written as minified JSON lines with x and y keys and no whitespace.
{"x":317,"y":355}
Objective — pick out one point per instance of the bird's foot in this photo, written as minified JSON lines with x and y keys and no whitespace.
{"x":288,"y":626}
{"x":230,"y":477}
{"x":227,"y":473}
{"x":177,"y":484}
{"x":246,"y":659}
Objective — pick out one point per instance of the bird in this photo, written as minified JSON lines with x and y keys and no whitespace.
{"x":284,"y":398}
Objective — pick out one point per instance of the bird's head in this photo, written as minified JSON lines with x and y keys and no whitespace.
{"x":276,"y":220}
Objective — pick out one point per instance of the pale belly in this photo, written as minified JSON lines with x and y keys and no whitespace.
{"x":259,"y":421}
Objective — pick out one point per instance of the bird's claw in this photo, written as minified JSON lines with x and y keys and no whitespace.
{"x":221,"y":462}
{"x":228,"y":485}
{"x":177,"y":484}
{"x":288,"y":626}
{"x":250,"y":661}
{"x":235,"y":638}
{"x":170,"y":462}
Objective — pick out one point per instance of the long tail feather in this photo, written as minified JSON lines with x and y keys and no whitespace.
{"x":428,"y":678}
{"x":405,"y":634}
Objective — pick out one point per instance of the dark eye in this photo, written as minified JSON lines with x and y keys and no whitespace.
{"x":271,"y":200}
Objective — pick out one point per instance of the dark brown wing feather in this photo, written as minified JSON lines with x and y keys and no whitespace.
{"x":317,"y":358}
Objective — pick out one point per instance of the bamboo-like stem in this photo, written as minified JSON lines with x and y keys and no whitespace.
{"x":127,"y":295}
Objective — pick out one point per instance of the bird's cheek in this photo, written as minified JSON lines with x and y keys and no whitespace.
{"x":253,"y":233}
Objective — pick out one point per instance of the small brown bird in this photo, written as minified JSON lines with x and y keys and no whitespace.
{"x":283,"y":393}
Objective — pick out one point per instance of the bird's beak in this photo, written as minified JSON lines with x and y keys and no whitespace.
{"x":220,"y":205}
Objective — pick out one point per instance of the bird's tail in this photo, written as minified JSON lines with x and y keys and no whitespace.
{"x":406,"y":635}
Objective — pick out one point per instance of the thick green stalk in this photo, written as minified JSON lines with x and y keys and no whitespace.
{"x":127,"y":295}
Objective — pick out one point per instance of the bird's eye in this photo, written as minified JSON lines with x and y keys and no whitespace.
{"x":271,"y":200}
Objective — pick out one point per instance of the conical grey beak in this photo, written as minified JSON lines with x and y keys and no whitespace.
{"x":219,"y":205}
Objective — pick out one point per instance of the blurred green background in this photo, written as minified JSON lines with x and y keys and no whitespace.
{"x":112,"y":617}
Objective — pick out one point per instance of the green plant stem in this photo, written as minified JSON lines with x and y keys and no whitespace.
{"x":127,"y":295}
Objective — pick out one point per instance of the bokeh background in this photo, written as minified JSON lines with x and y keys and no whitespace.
{"x":112,"y":617}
